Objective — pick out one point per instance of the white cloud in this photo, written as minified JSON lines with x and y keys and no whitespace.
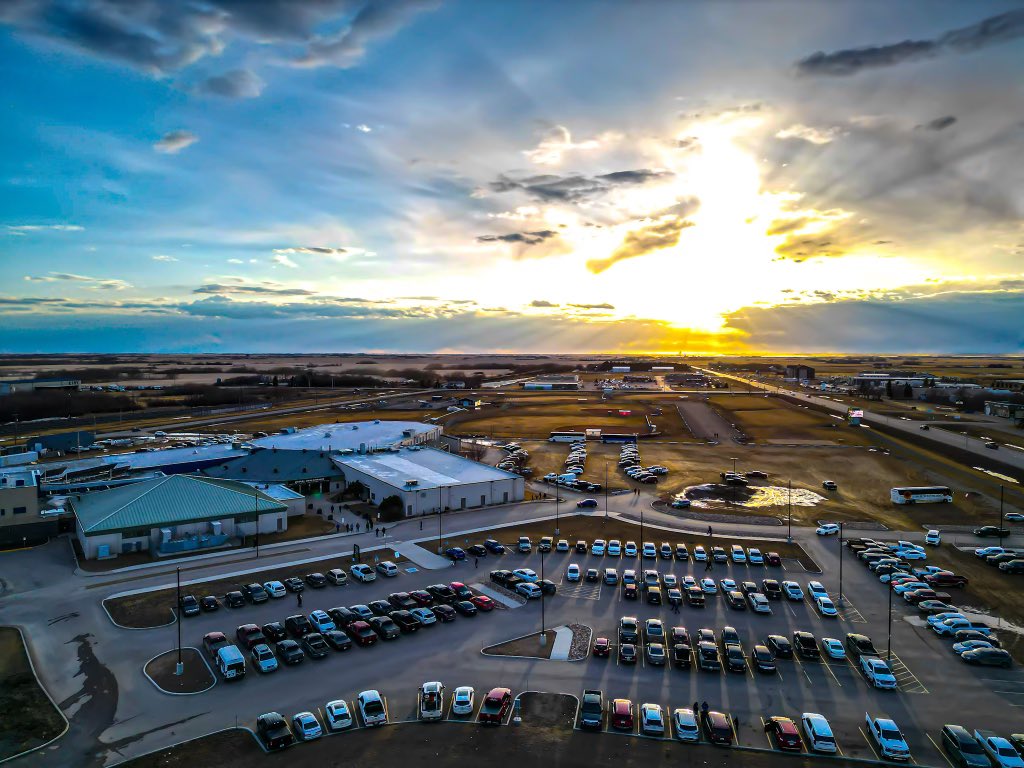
{"x":364,"y":128}
{"x":172,"y":143}
{"x":810,"y":134}
{"x":102,"y":283}
{"x":164,"y":258}
{"x":284,"y":261}
{"x":558,"y":141}
{"x":22,"y":229}
{"x":235,"y":261}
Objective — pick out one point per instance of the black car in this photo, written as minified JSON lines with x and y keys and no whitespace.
{"x":337,"y":639}
{"x":988,"y":657}
{"x":402,"y":600}
{"x":963,"y":747}
{"x":734,"y":658}
{"x":234,"y":599}
{"x":581,"y":547}
{"x":859,"y":645}
{"x":209,"y":603}
{"x":465,"y":607}
{"x":654,"y":596}
{"x":289,"y":651}
{"x":748,"y":587}
{"x":762,"y":660}
{"x":682,"y":553}
{"x":592,"y":575}
{"x":315,"y":645}
{"x":477,"y":550}
{"x":780,"y":646}
{"x":381,"y":607}
{"x":316,"y":580}
{"x":274,"y":731}
{"x":445,"y":613}
{"x":992,"y":530}
{"x":682,"y":656}
{"x":494,"y":547}
{"x":627,"y":653}
{"x":406,"y":621}
{"x":963,"y":635}
{"x":274,"y":631}
{"x":547,"y":586}
{"x":446,"y":594}
{"x":341,"y":616}
{"x":298,"y":626}
{"x":805,"y":644}
{"x":629,"y":592}
{"x":256,"y":593}
{"x":771,"y":589}
{"x":189,"y":605}
{"x":294,"y":584}
{"x":735,"y":600}
{"x":385,"y":627}
{"x":730,"y":636}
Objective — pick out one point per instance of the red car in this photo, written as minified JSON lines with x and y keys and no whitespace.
{"x":785,"y":733}
{"x":622,"y":714}
{"x":361,"y":633}
{"x":945,"y":579}
{"x":602,"y":647}
{"x":462,"y":592}
{"x":717,"y":727}
{"x":483,"y":602}
{"x":772,"y":558}
{"x":423,"y":598}
{"x":496,"y":705}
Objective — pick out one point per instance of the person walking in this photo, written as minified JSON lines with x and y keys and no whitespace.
{"x":704,"y":707}
{"x":476,"y":561}
{"x":298,"y":598}
{"x":696,"y":707}
{"x":707,"y":565}
{"x":421,"y":525}
{"x":735,"y":723}
{"x":710,"y":533}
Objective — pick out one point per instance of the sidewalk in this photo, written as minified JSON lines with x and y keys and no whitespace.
{"x":420,"y":556}
{"x":562,"y":645}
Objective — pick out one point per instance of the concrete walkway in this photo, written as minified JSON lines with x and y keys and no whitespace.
{"x":562,"y":645}
{"x":496,"y":596}
{"x":420,"y":556}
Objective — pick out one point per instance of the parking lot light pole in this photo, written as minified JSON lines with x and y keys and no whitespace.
{"x":1001,"y":518}
{"x":789,"y":498}
{"x":888,"y":643}
{"x":606,"y":491}
{"x":543,"y":634}
{"x":439,"y":519}
{"x":558,"y":499}
{"x":179,"y":670}
{"x":733,"y":464}
{"x":840,"y":563}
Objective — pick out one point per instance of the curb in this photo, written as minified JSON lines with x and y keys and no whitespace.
{"x":67,"y":723}
{"x":483,"y":651}
{"x":185,"y":693}
{"x":103,"y":605}
{"x":194,"y":738}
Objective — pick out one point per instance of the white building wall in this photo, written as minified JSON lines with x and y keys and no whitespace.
{"x":425,"y":501}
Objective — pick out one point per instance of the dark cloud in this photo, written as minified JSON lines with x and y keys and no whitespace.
{"x":221,"y":289}
{"x":235,"y":84}
{"x":172,"y":143}
{"x":541,"y":304}
{"x":163,"y":37}
{"x":592,"y":306}
{"x":785,"y":226}
{"x":327,"y":307}
{"x":524,"y":238}
{"x":991,"y":31}
{"x":639,"y":242}
{"x":551,"y":187}
{"x":940,"y":123}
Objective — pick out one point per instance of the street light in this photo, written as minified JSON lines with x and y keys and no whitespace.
{"x":888,"y":644}
{"x":439,"y":519}
{"x":789,"y":498}
{"x":543,"y":634}
{"x":1001,"y":489}
{"x":179,"y":669}
{"x":557,"y":500}
{"x":840,"y":563}
{"x":733,"y":464}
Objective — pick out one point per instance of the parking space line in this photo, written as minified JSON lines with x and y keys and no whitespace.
{"x":940,"y":751}
{"x":906,"y":681}
{"x":870,"y":745}
{"x":764,"y":730}
{"x":833,"y":674}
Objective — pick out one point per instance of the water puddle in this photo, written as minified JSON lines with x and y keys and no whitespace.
{"x":716,"y":495}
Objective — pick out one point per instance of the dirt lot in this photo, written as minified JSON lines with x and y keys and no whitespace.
{"x":29,"y":719}
{"x":524,"y":646}
{"x":153,"y":609}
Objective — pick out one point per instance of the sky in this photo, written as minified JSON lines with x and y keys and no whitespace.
{"x":447,"y":176}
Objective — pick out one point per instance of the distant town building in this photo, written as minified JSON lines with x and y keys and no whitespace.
{"x":553,"y":382}
{"x":1010,"y":385}
{"x":621,"y":369}
{"x":20,"y":521}
{"x":21,"y":386}
{"x":799,"y":372}
{"x":1004,"y":410}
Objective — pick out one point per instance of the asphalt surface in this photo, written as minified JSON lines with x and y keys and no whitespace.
{"x":705,"y":423}
{"x":94,"y":668}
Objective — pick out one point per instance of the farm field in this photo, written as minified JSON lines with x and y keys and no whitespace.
{"x":769,"y":419}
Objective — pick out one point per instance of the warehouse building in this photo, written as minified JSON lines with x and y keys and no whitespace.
{"x":428,"y":480}
{"x":799,"y":373}
{"x":1004,"y":410}
{"x":171,"y":515}
{"x":553,"y":382}
{"x":22,"y":521}
{"x":304,"y":471}
{"x":22,"y":386}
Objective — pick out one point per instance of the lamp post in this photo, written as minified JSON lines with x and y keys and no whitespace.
{"x":789,"y":498}
{"x":606,"y":491}
{"x":558,"y":499}
{"x":543,"y":634}
{"x":439,"y":508}
{"x":1001,"y":489}
{"x":840,"y":563}
{"x":179,"y":670}
{"x":888,"y":643}
{"x":733,"y":464}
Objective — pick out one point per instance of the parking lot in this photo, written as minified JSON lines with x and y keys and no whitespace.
{"x":927,"y":673}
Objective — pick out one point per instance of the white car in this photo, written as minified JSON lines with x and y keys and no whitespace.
{"x":825,"y":606}
{"x":933,"y":538}
{"x":910,"y":554}
{"x":793,"y":590}
{"x":321,"y":621}
{"x":529,"y":590}
{"x":562,"y":546}
{"x":652,"y":720}
{"x":817,"y":589}
{"x":833,"y":648}
{"x":306,"y":726}
{"x":759,"y":603}
{"x":1014,"y":517}
{"x":371,"y":708}
{"x":337,"y":715}
{"x":526,"y":574}
{"x":938,"y":618}
{"x":727,"y":585}
{"x":388,"y":568}
{"x":877,"y":672}
{"x":630,"y":550}
{"x":908,"y":586}
{"x":362,"y":572}
{"x":888,"y":737}
{"x":827,"y":529}
{"x":999,"y":750}
{"x":597,"y":548}
{"x":738,"y":555}
{"x":755,"y":557}
{"x":431,"y":701}
{"x":700,"y":554}
{"x":818,"y":733}
{"x":708,"y":586}
{"x":462,"y":700}
{"x":650,"y":551}
{"x":686,"y":725}
{"x":572,"y":573}
{"x":275,"y":589}
{"x":614,"y":548}
{"x":670,"y":581}
{"x":425,"y":615}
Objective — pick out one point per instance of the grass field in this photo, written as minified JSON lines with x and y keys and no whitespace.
{"x":29,"y":718}
{"x":770,"y":419}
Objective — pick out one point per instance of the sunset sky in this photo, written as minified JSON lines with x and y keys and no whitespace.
{"x":436,"y":175}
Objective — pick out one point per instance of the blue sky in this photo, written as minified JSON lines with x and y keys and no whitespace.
{"x":422,"y":175}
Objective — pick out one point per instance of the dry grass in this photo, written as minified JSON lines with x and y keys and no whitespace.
{"x":771,"y":419}
{"x":525,"y":646}
{"x":196,"y":677}
{"x":29,"y":718}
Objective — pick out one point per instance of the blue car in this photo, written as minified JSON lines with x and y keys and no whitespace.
{"x":494,"y":547}
{"x":587,"y":503}
{"x":455,"y":553}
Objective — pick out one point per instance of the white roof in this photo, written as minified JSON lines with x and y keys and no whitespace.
{"x":334,"y":437}
{"x":429,"y":467}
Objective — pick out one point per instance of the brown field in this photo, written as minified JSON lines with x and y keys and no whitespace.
{"x":29,"y":718}
{"x":774,"y":420}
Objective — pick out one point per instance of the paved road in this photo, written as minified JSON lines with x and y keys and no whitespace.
{"x":972,"y":445}
{"x":706,"y":423}
{"x":93,"y":668}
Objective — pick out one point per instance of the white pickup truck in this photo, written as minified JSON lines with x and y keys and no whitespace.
{"x":431,"y":701}
{"x":887,"y":735}
{"x":877,"y":672}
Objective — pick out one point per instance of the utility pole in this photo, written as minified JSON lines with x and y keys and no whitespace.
{"x":1001,"y":489}
{"x":179,"y":670}
{"x":888,"y":644}
{"x":557,"y":500}
{"x":543,"y":634}
{"x":789,"y":498}
{"x":439,"y":508}
{"x":606,"y":491}
{"x":840,"y":563}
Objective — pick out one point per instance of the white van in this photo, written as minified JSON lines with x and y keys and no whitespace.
{"x":231,"y":663}
{"x":818,"y":732}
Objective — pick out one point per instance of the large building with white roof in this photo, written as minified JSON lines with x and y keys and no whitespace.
{"x":429,"y":480}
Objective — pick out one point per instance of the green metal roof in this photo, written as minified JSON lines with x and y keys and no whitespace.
{"x":170,"y":500}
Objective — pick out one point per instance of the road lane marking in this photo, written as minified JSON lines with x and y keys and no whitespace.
{"x":940,"y":751}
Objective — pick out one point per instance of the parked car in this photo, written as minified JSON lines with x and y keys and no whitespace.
{"x":337,"y":715}
{"x":717,"y":727}
{"x":784,"y":733}
{"x":818,"y":733}
{"x":273,"y":731}
{"x":371,"y":708}
{"x":888,"y":737}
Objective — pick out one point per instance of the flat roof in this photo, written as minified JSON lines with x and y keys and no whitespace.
{"x":334,"y":437}
{"x":430,"y":467}
{"x":279,"y":492}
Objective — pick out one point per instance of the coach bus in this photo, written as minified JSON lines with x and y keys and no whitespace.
{"x":567,"y":437}
{"x":921,"y":495}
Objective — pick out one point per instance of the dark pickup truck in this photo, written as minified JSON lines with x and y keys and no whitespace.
{"x":274,"y":731}
{"x":592,"y":709}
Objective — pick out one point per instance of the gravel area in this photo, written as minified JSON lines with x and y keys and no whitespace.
{"x":581,"y":635}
